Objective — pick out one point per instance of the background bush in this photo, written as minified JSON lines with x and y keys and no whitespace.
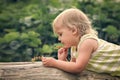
{"x":25,"y":25}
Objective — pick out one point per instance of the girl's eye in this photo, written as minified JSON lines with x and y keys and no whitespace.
{"x":60,"y":34}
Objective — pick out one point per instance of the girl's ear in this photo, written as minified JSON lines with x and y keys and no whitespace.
{"x":74,"y":30}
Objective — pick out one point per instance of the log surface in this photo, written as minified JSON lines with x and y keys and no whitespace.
{"x":36,"y":71}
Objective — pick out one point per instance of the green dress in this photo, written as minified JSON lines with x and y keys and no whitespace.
{"x":106,"y":59}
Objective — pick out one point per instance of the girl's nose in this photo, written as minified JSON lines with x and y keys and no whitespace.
{"x":59,"y":39}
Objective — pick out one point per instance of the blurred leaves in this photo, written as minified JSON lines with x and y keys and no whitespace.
{"x":26,"y":30}
{"x":47,"y":49}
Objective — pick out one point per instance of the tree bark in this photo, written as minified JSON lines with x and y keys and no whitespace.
{"x":36,"y":71}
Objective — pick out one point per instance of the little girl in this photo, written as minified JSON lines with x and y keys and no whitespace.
{"x":87,"y":50}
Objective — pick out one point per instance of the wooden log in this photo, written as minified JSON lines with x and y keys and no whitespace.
{"x":36,"y":71}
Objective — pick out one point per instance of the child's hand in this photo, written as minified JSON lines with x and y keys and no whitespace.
{"x":48,"y":61}
{"x":62,"y":54}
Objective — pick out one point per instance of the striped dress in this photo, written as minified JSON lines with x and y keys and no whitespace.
{"x":106,"y":59}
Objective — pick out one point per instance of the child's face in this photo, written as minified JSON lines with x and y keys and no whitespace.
{"x":66,"y":36}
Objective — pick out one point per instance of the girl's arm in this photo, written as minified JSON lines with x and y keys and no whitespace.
{"x":85,"y":50}
{"x":73,"y":60}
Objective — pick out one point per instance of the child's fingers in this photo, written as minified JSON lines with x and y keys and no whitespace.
{"x":65,"y":49}
{"x":60,"y":50}
{"x":43,"y":58}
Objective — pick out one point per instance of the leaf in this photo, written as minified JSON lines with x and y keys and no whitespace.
{"x":47,"y":49}
{"x":11,"y":36}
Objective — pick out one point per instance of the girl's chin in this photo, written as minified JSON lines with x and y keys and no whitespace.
{"x":66,"y":46}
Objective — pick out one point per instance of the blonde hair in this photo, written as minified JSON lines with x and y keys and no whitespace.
{"x":74,"y":18}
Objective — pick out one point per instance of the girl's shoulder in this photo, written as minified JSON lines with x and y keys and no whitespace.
{"x":90,"y":39}
{"x":88,"y":36}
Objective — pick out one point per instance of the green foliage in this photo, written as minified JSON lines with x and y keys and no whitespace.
{"x":30,"y":39}
{"x":19,"y":46}
{"x":112,"y":32}
{"x":47,"y":49}
{"x":102,"y":14}
{"x":26,"y":31}
{"x":21,"y":38}
{"x":55,"y":3}
{"x":11,"y":36}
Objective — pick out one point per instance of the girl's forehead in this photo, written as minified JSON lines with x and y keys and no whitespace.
{"x":57,"y":28}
